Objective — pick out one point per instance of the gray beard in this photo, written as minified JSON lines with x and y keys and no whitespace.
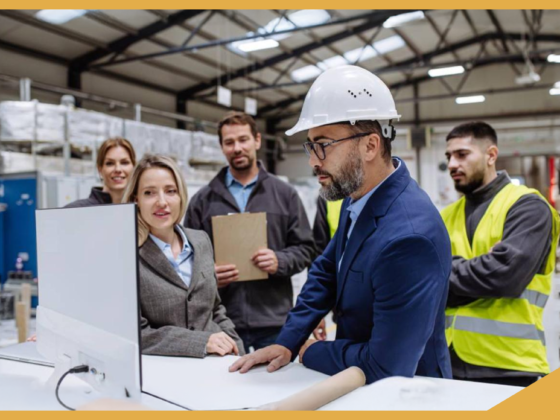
{"x":351,"y":179}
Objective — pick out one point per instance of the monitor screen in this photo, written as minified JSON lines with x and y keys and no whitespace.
{"x":88,"y":293}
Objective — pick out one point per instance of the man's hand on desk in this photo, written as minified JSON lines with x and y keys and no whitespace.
{"x":266,"y":260}
{"x":304,"y":348}
{"x":222,"y":344}
{"x":276,"y":356}
{"x":226,"y":274}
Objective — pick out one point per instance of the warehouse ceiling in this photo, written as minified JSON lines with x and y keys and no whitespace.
{"x":274,"y":55}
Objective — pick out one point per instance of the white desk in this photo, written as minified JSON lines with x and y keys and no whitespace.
{"x":205,"y":384}
{"x":22,"y":387}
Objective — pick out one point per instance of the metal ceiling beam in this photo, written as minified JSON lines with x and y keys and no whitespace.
{"x":470,"y":22}
{"x":227,"y":41}
{"x":121,"y":44}
{"x":209,"y":37}
{"x":65,"y":62}
{"x":443,"y":35}
{"x":376,"y":19}
{"x":252,"y":27}
{"x":499,"y":28}
{"x":509,"y":115}
{"x":480,"y":63}
{"x":74,"y":77}
{"x":41,"y":55}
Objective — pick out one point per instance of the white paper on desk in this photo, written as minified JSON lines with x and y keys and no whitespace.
{"x":206,"y":384}
{"x":420,"y":394}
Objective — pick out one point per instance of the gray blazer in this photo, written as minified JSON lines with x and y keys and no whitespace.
{"x":177,"y":320}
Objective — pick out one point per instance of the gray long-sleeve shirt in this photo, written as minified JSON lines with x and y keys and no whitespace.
{"x":508,"y":269}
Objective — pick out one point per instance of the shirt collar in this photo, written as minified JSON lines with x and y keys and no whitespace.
{"x":164,"y":245}
{"x":230,"y":179}
{"x":356,"y":207}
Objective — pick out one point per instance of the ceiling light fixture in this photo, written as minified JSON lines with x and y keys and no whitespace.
{"x":553,"y":58}
{"x":299,"y":19}
{"x":256,"y":44}
{"x":402,"y":19}
{"x":461,"y":100}
{"x":59,"y":16}
{"x":446,"y":71}
{"x":305,"y":73}
{"x":555,"y":91}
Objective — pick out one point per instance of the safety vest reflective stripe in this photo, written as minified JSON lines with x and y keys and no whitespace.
{"x":448,"y":321}
{"x":498,"y":328}
{"x":535,"y":298}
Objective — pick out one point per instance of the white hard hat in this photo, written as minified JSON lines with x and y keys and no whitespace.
{"x":347,"y":94}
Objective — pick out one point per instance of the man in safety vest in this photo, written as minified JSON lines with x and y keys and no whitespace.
{"x":503,"y":240}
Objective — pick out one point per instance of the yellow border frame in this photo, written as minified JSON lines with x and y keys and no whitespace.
{"x":536,"y":401}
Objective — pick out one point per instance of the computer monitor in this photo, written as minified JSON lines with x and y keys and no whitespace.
{"x":88,"y":311}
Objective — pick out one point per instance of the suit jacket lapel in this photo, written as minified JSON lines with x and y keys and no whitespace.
{"x":153,"y":256}
{"x":366,"y":225}
{"x":197,"y":272}
{"x":364,"y":228}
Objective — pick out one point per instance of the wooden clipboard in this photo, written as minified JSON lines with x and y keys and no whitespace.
{"x":236,"y":239}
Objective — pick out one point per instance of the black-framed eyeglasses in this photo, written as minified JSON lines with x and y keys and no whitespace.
{"x":319,"y":148}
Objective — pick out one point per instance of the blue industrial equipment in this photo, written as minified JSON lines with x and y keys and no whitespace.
{"x":19,"y":198}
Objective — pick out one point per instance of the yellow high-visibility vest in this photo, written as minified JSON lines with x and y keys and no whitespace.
{"x":505,"y":333}
{"x":333,"y":215}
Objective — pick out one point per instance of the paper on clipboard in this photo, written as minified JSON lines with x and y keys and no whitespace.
{"x":236,"y":239}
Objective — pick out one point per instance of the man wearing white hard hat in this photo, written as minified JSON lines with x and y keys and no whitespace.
{"x":385,"y":272}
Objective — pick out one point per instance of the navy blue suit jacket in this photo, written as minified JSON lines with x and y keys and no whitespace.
{"x":390,"y":292}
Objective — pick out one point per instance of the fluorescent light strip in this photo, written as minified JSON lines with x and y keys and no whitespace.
{"x":470,"y":99}
{"x":305,"y":73}
{"x":404,"y":18}
{"x":259,"y":44}
{"x":555,"y":91}
{"x":446,"y":71}
{"x":59,"y":16}
{"x":350,"y":57}
{"x":553,"y":58}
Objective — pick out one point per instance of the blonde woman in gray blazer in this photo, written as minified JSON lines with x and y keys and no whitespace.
{"x":181,"y":311}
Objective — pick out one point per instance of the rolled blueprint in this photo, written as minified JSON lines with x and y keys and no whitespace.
{"x":322,"y":393}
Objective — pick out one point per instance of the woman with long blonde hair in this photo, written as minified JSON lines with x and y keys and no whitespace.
{"x":181,"y":311}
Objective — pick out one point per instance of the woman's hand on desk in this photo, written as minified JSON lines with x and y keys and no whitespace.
{"x":222,"y":344}
{"x":226,"y":274}
{"x":276,"y":356}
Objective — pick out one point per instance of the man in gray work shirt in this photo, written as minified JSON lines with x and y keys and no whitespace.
{"x":257,"y":308}
{"x":503,"y":241}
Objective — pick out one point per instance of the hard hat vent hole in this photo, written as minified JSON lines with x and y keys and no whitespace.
{"x":352,"y":93}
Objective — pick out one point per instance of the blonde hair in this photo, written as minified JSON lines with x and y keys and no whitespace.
{"x":114,"y":142}
{"x":131,"y":191}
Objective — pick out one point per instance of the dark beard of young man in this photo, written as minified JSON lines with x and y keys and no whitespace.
{"x":474,"y":183}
